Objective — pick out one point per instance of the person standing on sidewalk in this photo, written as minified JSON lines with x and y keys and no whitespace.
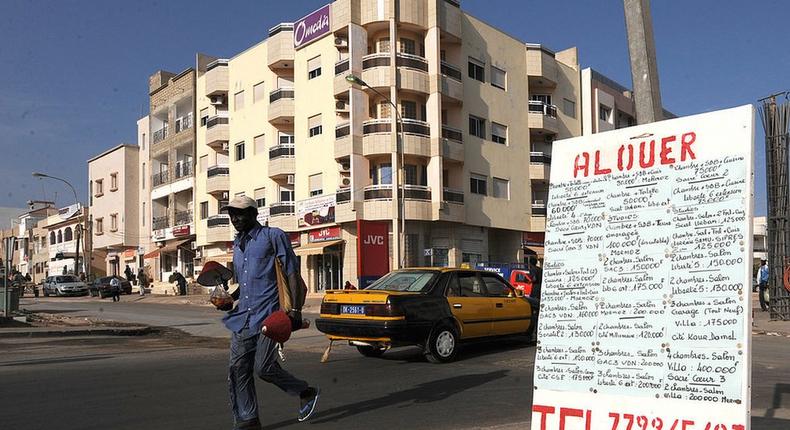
{"x":115,"y":289}
{"x":762,"y":284}
{"x":142,"y":281}
{"x":251,"y":353}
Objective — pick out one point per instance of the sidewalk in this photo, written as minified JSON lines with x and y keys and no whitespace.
{"x":762,"y":324}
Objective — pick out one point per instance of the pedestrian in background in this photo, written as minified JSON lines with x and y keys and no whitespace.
{"x":255,"y":251}
{"x":349,"y":286}
{"x":182,"y":283}
{"x":762,"y":284}
{"x":115,"y":289}
{"x":142,"y":281}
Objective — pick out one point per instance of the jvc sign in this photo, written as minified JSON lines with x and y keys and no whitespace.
{"x":312,"y":27}
{"x":372,"y":251}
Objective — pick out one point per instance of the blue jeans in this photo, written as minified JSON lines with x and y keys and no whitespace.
{"x":251,"y":352}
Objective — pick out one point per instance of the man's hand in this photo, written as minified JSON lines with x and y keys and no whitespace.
{"x":296,"y":319}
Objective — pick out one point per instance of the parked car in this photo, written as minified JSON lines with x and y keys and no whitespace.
{"x":64,"y":285}
{"x":101,"y":287}
{"x":434,"y":308}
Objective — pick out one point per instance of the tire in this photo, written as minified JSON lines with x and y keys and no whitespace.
{"x":371,"y":351}
{"x":58,"y":293}
{"x":442,"y":346}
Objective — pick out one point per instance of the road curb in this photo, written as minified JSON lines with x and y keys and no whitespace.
{"x":74,"y":331}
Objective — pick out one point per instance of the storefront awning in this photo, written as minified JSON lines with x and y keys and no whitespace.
{"x":538,"y":250}
{"x":170,"y":247}
{"x":317,"y":247}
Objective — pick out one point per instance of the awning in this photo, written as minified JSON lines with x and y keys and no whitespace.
{"x":538,"y":250}
{"x":152,"y":254}
{"x":316,"y":248}
{"x":170,"y":247}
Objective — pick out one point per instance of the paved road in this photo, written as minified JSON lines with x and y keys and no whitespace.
{"x":179,"y":381}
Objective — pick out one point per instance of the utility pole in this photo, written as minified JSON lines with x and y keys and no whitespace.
{"x":644,"y":67}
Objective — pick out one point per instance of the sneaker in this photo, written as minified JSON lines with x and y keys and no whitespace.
{"x":309,"y":402}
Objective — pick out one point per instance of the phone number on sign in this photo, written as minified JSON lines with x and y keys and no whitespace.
{"x":627,"y":421}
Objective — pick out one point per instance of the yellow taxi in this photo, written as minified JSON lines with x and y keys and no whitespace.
{"x":434,"y":308}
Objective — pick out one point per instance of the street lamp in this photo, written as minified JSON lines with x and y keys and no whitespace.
{"x":401,"y":176}
{"x":78,"y":228}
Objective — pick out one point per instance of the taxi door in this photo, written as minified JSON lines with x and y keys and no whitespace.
{"x":469,"y":304}
{"x":511,"y":314}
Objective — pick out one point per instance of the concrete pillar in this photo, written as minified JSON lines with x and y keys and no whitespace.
{"x":644,"y":67}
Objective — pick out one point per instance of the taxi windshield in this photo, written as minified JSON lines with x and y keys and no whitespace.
{"x":412,"y":281}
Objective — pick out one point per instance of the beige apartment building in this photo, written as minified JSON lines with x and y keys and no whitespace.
{"x":280,"y":122}
{"x":114,"y":211}
{"x":64,"y":232}
{"x":171,"y":159}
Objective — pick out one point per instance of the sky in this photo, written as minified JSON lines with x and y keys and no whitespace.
{"x":75,"y":73}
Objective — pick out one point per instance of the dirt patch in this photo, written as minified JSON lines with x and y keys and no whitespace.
{"x":46,"y":319}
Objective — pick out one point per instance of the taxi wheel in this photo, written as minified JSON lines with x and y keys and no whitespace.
{"x":442,"y":344}
{"x":370,"y":351}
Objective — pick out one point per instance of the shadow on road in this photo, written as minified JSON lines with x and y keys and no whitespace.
{"x":57,"y":360}
{"x":779,"y":391}
{"x":424,"y":393}
{"x":468,"y":350}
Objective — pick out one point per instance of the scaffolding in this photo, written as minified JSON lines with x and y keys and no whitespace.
{"x":775,"y":116}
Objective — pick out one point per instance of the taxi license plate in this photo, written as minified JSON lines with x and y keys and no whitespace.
{"x":354,"y":310}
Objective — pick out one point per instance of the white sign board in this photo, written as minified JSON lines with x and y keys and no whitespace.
{"x":645,"y":307}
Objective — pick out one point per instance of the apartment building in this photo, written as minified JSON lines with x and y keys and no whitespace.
{"x":66,"y":238}
{"x":26,"y":224}
{"x":320,"y":154}
{"x":145,"y":241}
{"x":114,"y":208}
{"x":171,"y":161}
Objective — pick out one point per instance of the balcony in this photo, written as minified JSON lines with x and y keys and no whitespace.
{"x":343,"y":146}
{"x":280,"y":47}
{"x":377,"y":137}
{"x":184,"y":123}
{"x":542,"y":69}
{"x":217,"y":78}
{"x":378,"y":202}
{"x":538,"y":207}
{"x":416,"y":137}
{"x":281,"y":106}
{"x":539,"y":166}
{"x":452,"y":143}
{"x":160,"y":222}
{"x":450,"y":18}
{"x":538,"y":218}
{"x":160,"y":135}
{"x":416,"y":192}
{"x":281,"y":160}
{"x":341,"y":71}
{"x":376,"y":70}
{"x":452,"y":84}
{"x":217,"y":130}
{"x":413,"y":71}
{"x":281,"y":208}
{"x":343,"y":195}
{"x":452,"y":208}
{"x":183,"y":217}
{"x":218,"y":229}
{"x":160,"y":178}
{"x":184,"y":170}
{"x":378,"y":192}
{"x":450,"y":195}
{"x":218,"y":179}
{"x":543,"y":117}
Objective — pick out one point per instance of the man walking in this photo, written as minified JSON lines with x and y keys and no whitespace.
{"x":251,"y":353}
{"x":115,"y":289}
{"x":762,"y":284}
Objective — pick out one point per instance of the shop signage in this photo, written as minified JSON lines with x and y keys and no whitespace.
{"x":324,"y":234}
{"x":533,"y":238}
{"x":181,"y":230}
{"x":646,"y":296}
{"x":312,"y":27}
{"x":159,"y":234}
{"x":316,"y":211}
{"x":373,"y":257}
{"x":296,"y":239}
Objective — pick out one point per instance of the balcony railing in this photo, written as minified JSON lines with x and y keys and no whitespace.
{"x":539,"y":207}
{"x":160,"y":222}
{"x":183,"y":217}
{"x":218,"y":170}
{"x":539,"y":158}
{"x":280,"y":151}
{"x":341,"y":66}
{"x":416,"y":192}
{"x":411,"y":61}
{"x":452,"y":133}
{"x":160,"y":178}
{"x":415,"y":126}
{"x":343,"y":196}
{"x":184,"y":123}
{"x":281,"y":93}
{"x":379,"y":59}
{"x":453,"y":196}
{"x":160,"y":135}
{"x":342,"y":130}
{"x":217,"y":63}
{"x":542,"y":108}
{"x":218,"y":221}
{"x":281,"y":208}
{"x":377,"y":126}
{"x":216,"y":120}
{"x":451,"y":71}
{"x":376,"y":192}
{"x":184,"y":170}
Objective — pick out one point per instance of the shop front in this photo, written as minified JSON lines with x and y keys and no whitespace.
{"x":532,"y":242}
{"x":322,"y":257}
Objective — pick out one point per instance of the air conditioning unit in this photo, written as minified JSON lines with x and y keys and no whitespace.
{"x":341,"y":106}
{"x":341,"y":43}
{"x":345,"y":182}
{"x":345,"y":166}
{"x":217,"y":100}
{"x":290,"y":180}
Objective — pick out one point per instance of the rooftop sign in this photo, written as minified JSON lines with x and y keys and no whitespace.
{"x":312,"y":27}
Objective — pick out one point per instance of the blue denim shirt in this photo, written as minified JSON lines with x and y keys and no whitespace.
{"x":257,"y":277}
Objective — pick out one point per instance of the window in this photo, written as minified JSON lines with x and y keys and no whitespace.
{"x":477,"y":70}
{"x":259,"y":144}
{"x":604,"y":113}
{"x":114,"y":222}
{"x":99,"y":187}
{"x":68,"y":236}
{"x":471,"y":258}
{"x":477,"y":126}
{"x":411,"y":174}
{"x":239,"y":194}
{"x":478,"y":184}
{"x":408,"y":109}
{"x":501,"y":188}
{"x":239,"y":151}
{"x":52,"y":238}
{"x":113,"y":181}
{"x":498,"y":78}
{"x":260,"y":197}
{"x":381,"y":175}
{"x":569,"y":108}
{"x":407,"y":46}
{"x":314,"y":67}
{"x":384,"y":44}
{"x":203,"y":116}
{"x":495,"y":287}
{"x":202,"y":163}
{"x":99,"y":226}
{"x":286,"y":138}
{"x":142,"y":142}
{"x":258,"y":92}
{"x":203,"y":210}
{"x":315,"y":184}
{"x":543,"y":98}
{"x":384,"y":110}
{"x":286,"y":193}
{"x":142,"y":176}
{"x":498,"y":133}
{"x":238,"y":100}
{"x":143,"y":213}
{"x":469,"y":285}
{"x":314,"y":125}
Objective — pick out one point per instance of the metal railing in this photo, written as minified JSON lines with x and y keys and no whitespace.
{"x":415,"y":126}
{"x":160,"y":135}
{"x":383,"y":125}
{"x":343,"y":195}
{"x":453,"y":196}
{"x":342,"y":130}
{"x":281,"y":93}
{"x":218,"y":221}
{"x":160,"y":178}
{"x":411,"y":61}
{"x":280,"y":151}
{"x":450,"y":71}
{"x":218,"y":170}
{"x":452,"y":133}
{"x":216,"y":120}
{"x":377,"y":192}
{"x":539,"y":158}
{"x":160,"y":222}
{"x":539,"y":207}
{"x":542,"y":108}
{"x":184,"y":123}
{"x":184,"y":170}
{"x":281,"y":208}
{"x":378,"y":59}
{"x":183,"y":217}
{"x":341,"y":66}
